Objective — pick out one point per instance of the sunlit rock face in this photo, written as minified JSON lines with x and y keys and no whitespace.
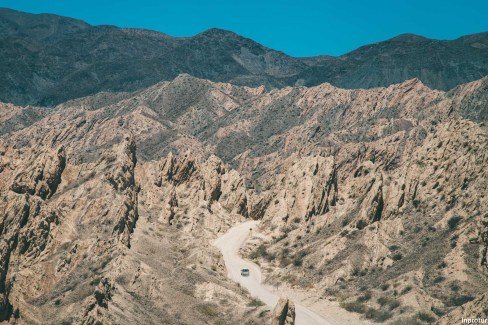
{"x":109,"y":203}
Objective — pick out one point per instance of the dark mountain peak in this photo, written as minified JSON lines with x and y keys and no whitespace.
{"x":218,"y":32}
{"x":51,"y":59}
{"x":37,"y":26}
{"x":408,"y":38}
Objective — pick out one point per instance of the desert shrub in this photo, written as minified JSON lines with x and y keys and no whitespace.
{"x":261,"y":251}
{"x":384,"y":286}
{"x":438,"y":311}
{"x":426,"y":317}
{"x":263,"y":313}
{"x":453,"y":222}
{"x":393,"y":248}
{"x":364,"y":297}
{"x":361,"y":224}
{"x":439,"y":279}
{"x":388,"y":302}
{"x":454,"y":287}
{"x":460,"y":300}
{"x":207,"y":310}
{"x":377,"y":315}
{"x":405,"y":290}
{"x":255,"y":303}
{"x":407,"y":321}
{"x":397,"y":257}
{"x":354,"y":306}
{"x":297,"y":261}
{"x":355,"y":271}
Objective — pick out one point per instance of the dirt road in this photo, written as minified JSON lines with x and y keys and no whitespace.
{"x":229,"y":245}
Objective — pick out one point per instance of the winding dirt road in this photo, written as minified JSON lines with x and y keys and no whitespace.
{"x":229,"y":245}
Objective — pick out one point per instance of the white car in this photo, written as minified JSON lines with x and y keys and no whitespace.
{"x":245,"y":272}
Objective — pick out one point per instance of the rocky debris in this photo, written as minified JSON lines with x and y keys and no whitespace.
{"x":283,"y":313}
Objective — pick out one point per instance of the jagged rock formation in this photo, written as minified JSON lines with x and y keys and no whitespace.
{"x":110,"y":202}
{"x":283,"y":313}
{"x":50,"y":59}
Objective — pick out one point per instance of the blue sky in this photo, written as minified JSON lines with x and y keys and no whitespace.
{"x":299,"y":28}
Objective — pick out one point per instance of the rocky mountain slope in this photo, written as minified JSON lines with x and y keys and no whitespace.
{"x":373,"y":197}
{"x":49,"y":59}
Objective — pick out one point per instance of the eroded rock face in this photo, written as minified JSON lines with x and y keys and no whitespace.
{"x":283,"y":313}
{"x":114,"y":203}
{"x":42,"y":176}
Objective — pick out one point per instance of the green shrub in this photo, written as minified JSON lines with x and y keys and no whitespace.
{"x":397,"y":257}
{"x":263,"y":313}
{"x":453,"y":222}
{"x":425,"y":317}
{"x":361,"y":224}
{"x":438,"y":311}
{"x":297,"y":261}
{"x":255,"y":303}
{"x":354,"y":306}
{"x":388,"y":302}
{"x":406,"y":290}
{"x":393,"y":248}
{"x":261,"y":251}
{"x":460,"y":300}
{"x":364,"y":297}
{"x":377,"y":315}
{"x":207,"y":310}
{"x":439,"y":279}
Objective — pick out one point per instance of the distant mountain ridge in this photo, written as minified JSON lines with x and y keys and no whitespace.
{"x":49,"y":59}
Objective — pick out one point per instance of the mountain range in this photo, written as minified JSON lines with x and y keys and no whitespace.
{"x":125,"y":153}
{"x":48,"y":59}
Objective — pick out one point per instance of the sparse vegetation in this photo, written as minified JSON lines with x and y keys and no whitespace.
{"x":460,"y":300}
{"x":377,"y":315}
{"x":365,"y":296}
{"x":207,"y":310}
{"x":453,"y":222}
{"x":384,"y":286}
{"x":390,"y":303}
{"x":425,"y":317}
{"x":406,"y":290}
{"x":397,"y":257}
{"x":361,"y":224}
{"x":354,"y":306}
{"x":255,"y":303}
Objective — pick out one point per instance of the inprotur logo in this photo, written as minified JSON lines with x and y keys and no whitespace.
{"x":474,"y":320}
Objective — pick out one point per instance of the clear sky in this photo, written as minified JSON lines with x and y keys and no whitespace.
{"x":299,"y":28}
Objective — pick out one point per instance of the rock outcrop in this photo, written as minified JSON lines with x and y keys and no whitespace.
{"x":283,"y":313}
